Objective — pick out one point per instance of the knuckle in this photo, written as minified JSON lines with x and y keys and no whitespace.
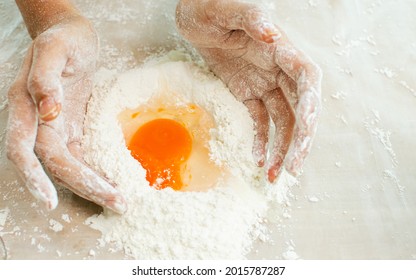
{"x":315,"y":70}
{"x":51,"y":35}
{"x":44,"y":40}
{"x":10,"y":153}
{"x":36,"y":83}
{"x":14,"y":153}
{"x":10,"y":148}
{"x":41,"y":150}
{"x":254,"y":14}
{"x":41,"y":83}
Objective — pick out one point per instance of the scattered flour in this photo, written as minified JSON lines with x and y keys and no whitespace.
{"x":55,"y":225}
{"x":313,"y":198}
{"x":372,"y":126}
{"x":66,"y":218}
{"x":163,"y":224}
{"x":4,"y":213}
{"x":406,"y":86}
{"x":290,"y":254}
{"x":91,"y":253}
{"x":3,"y":104}
{"x":389,"y":73}
{"x":339,"y":95}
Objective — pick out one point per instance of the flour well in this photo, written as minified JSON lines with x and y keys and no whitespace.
{"x":164,"y":224}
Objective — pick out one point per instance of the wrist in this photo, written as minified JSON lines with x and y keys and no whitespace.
{"x":41,"y":15}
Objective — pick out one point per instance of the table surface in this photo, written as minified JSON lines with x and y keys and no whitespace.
{"x":357,"y":196}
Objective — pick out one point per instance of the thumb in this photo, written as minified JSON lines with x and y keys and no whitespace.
{"x":44,"y":84}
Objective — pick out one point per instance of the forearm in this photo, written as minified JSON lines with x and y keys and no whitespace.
{"x":39,"y":15}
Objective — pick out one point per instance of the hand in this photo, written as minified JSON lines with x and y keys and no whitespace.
{"x":263,"y":70}
{"x":47,"y":105}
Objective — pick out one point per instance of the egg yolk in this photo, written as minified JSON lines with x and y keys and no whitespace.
{"x":170,"y":138}
{"x":162,"y":146}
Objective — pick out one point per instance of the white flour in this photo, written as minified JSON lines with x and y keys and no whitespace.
{"x":164,"y":224}
{"x":4,"y":213}
{"x":55,"y":225}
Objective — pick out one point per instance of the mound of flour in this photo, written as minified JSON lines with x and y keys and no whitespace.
{"x":163,"y":224}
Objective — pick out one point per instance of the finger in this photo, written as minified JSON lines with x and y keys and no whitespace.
{"x":260,"y":117}
{"x":77,"y":152}
{"x":307,"y":76}
{"x":283,"y":119}
{"x":235,"y":15}
{"x":49,"y":60}
{"x":76,"y":176}
{"x":21,"y":137}
{"x":289,"y":88}
{"x":307,"y":112}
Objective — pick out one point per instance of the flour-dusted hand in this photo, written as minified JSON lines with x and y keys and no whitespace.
{"x":263,"y":70}
{"x":47,"y":105}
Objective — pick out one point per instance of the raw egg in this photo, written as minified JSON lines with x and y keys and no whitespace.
{"x":169,"y":138}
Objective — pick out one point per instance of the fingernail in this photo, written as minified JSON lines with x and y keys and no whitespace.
{"x":274,"y":171}
{"x":48,"y":109}
{"x":259,"y":157}
{"x":272,"y":175}
{"x":52,"y":204}
{"x":270,"y":33}
{"x":50,"y":199}
{"x":118,"y":205}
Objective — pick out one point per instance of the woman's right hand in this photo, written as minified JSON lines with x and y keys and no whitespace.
{"x":47,"y":106}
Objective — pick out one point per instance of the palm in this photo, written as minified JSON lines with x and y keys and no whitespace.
{"x":258,"y":88}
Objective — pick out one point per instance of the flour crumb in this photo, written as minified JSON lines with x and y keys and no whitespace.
{"x":313,"y":198}
{"x":55,"y":225}
{"x":286,"y":215}
{"x":40,"y":248}
{"x":389,"y":174}
{"x":3,"y":104}
{"x":366,"y":188}
{"x":4,"y":213}
{"x":290,"y":254}
{"x":372,"y":124}
{"x":312,"y":3}
{"x":342,"y":118}
{"x":339,"y":95}
{"x":336,"y":40}
{"x":406,"y":86}
{"x":91,"y":253}
{"x":389,"y":73}
{"x":66,"y":218}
